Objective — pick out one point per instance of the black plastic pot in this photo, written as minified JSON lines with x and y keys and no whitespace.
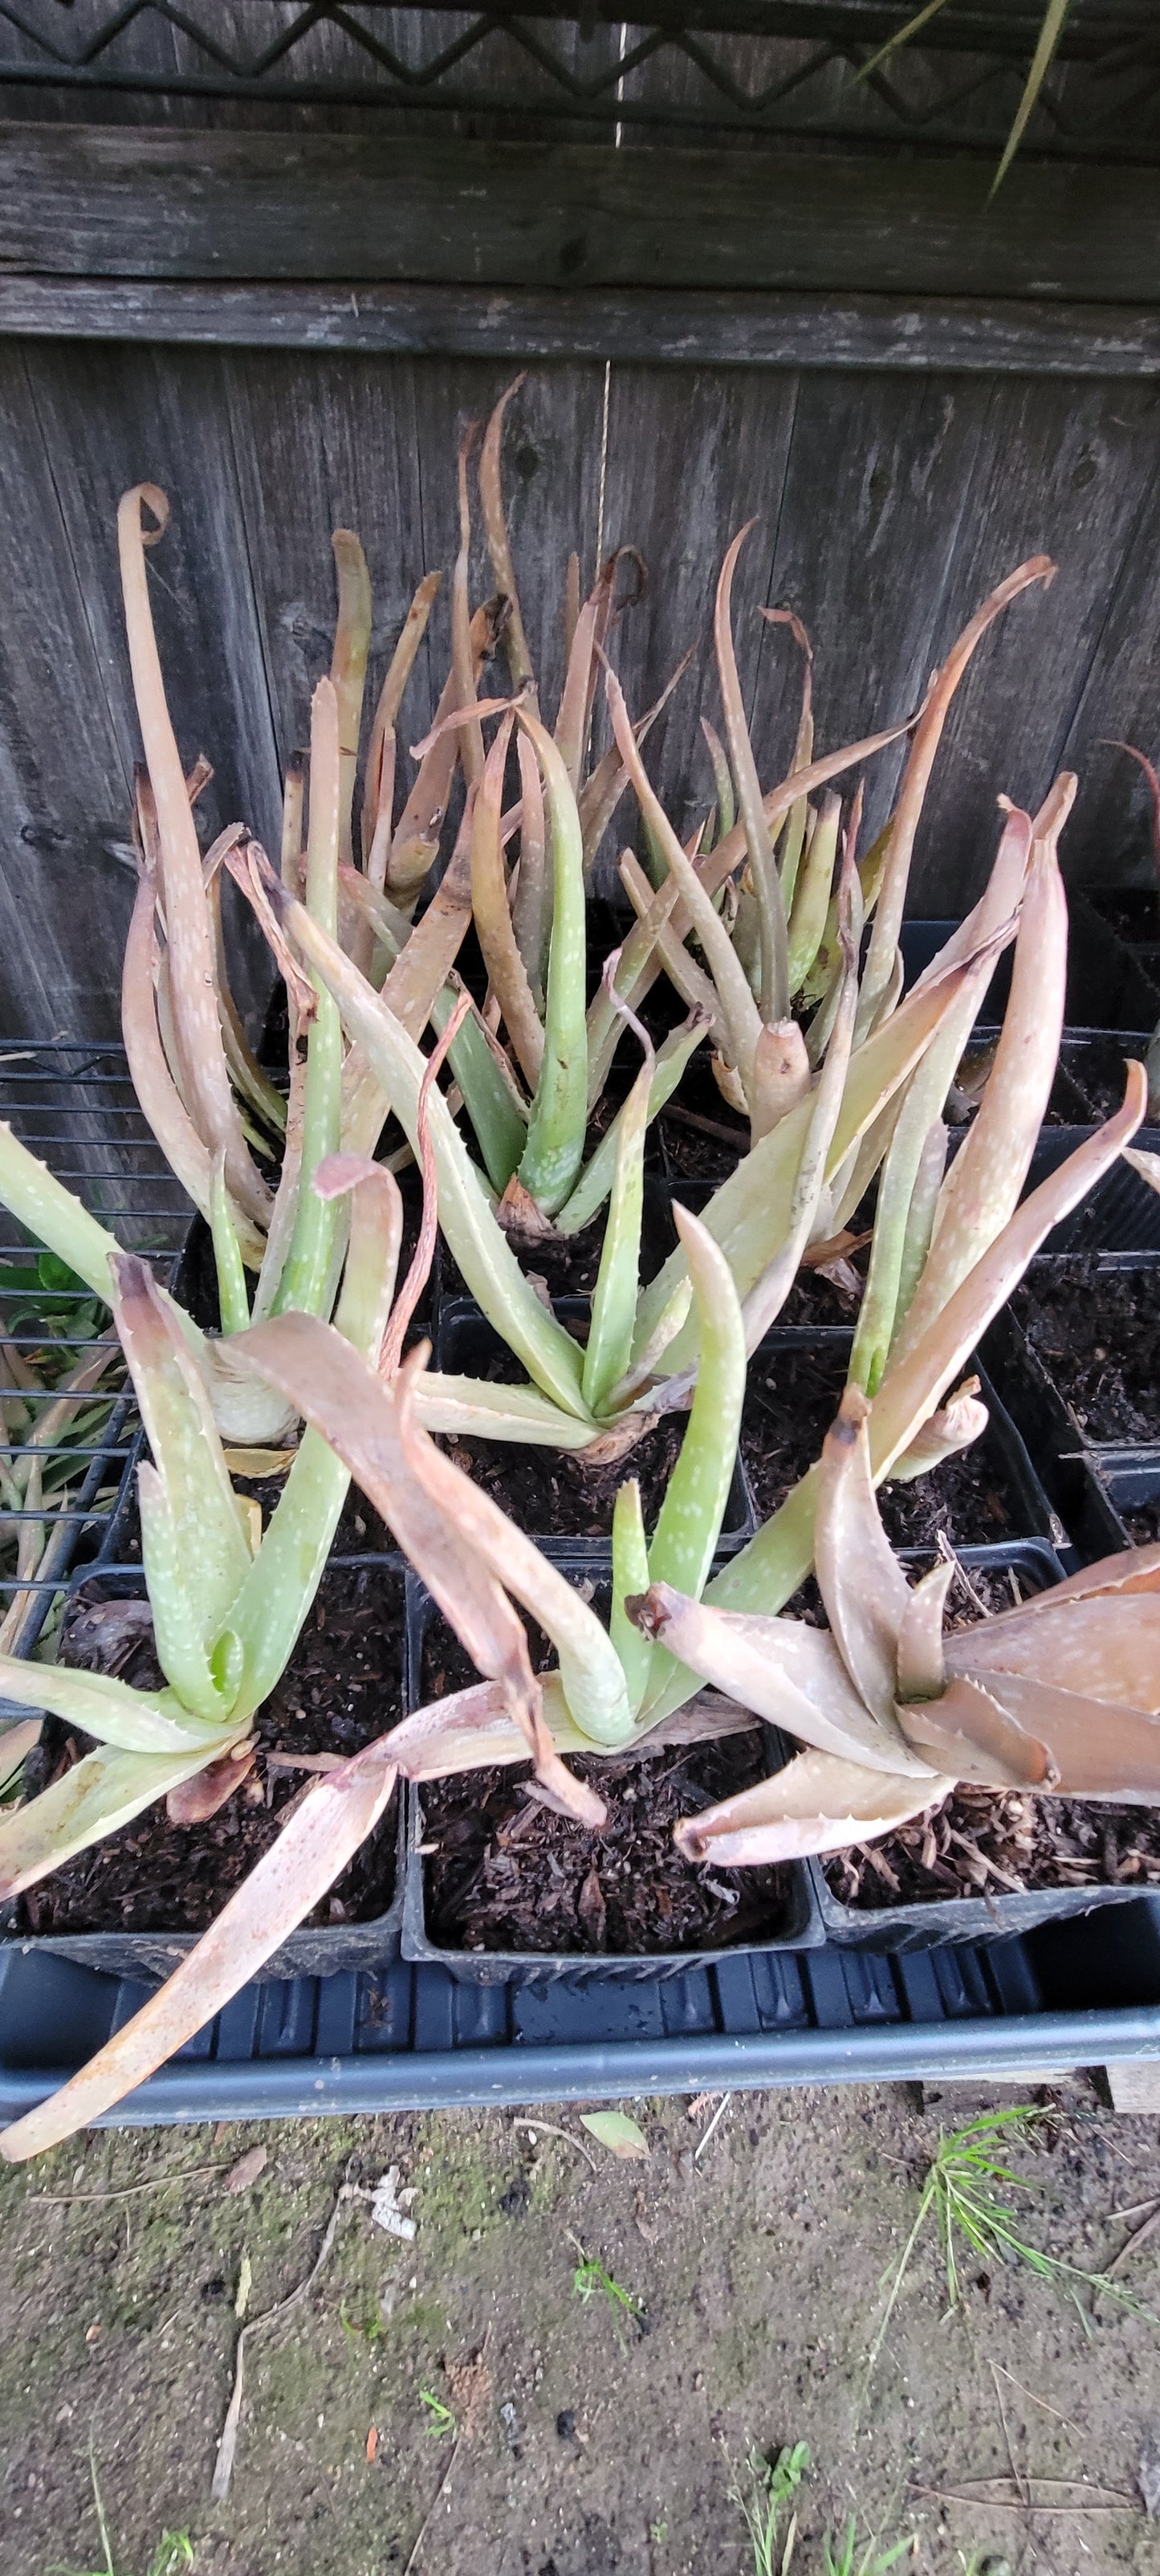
{"x":1119,"y":1503}
{"x":1107,"y":987}
{"x":932,"y":1923}
{"x":1067,"y":1456}
{"x":1002,"y":1444}
{"x":144,"y":1958}
{"x":801,"y":1928}
{"x":467,"y":1345}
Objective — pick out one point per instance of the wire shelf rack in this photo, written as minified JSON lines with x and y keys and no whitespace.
{"x":774,"y":68}
{"x":73,"y":1105}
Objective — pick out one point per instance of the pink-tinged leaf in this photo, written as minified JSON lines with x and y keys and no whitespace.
{"x":912,"y":1383}
{"x":440,"y":1522}
{"x":376,"y":816}
{"x":817,"y":1804}
{"x":1106,"y":1647}
{"x":493,"y":920}
{"x":312,"y":1850}
{"x":981,"y":1190}
{"x":495,"y":530}
{"x":916,"y":777}
{"x":471,"y":1730}
{"x":953,"y":1426}
{"x":790,"y":1674}
{"x":976,"y":1738}
{"x":1067,"y":1741}
{"x":921,"y":1661}
{"x":419,"y":1266}
{"x":204,"y":1078}
{"x":859,"y":1577}
{"x":196,"y":1800}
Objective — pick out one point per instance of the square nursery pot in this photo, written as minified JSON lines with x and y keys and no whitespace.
{"x":987,"y":1494}
{"x":1108,"y":986}
{"x":797,"y":1925}
{"x":1043,"y":1395}
{"x":1120,"y":1502}
{"x":144,"y":1958}
{"x":467,"y":1346}
{"x":928,"y":1924}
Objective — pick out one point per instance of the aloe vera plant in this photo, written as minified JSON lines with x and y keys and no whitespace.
{"x":474,"y":1563}
{"x":1061,"y":1696}
{"x":782,"y":956}
{"x":227,"y":1604}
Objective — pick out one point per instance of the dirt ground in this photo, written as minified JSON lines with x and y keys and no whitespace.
{"x":585,"y":2446}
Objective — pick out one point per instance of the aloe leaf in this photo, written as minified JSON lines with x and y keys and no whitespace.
{"x":595,"y":1180}
{"x":766,"y":1298}
{"x":376,"y":812}
{"x":602,"y":792}
{"x":204,"y":1079}
{"x":765,"y":1573}
{"x":495,"y":529}
{"x":188,"y":1158}
{"x":791,"y":1675}
{"x":617,"y":1280}
{"x":630,"y":1577}
{"x":267,"y":1613}
{"x":554,"y":1151}
{"x":134,"y":1721}
{"x":471,"y":1408}
{"x":689,"y":980}
{"x":531,"y":911}
{"x":498,"y":1116}
{"x":202,"y":1556}
{"x":639,"y":965}
{"x":348,"y":666}
{"x":722,"y":779}
{"x":775,"y":980}
{"x":311,"y":1851}
{"x":734,"y":996}
{"x":689,"y":1526}
{"x":982,"y":1188}
{"x":749,"y":1215}
{"x":916,"y":779}
{"x":227,"y":1252}
{"x":816,"y":1805}
{"x":206,"y":1684}
{"x":492,"y":915}
{"x":476,"y":1242}
{"x":307,"y":1266}
{"x":811,"y":902}
{"x":864,"y":1589}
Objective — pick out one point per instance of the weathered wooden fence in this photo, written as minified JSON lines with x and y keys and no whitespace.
{"x":908,"y":388}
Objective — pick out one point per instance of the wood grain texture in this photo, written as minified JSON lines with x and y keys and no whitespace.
{"x":697,"y":327}
{"x":150,"y":203}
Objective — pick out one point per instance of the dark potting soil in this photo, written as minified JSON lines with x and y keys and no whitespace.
{"x":1098,"y":1336}
{"x":360,"y":1531}
{"x":792,"y":1397}
{"x":1143,"y":1523}
{"x":988,"y":1842}
{"x":342,"y":1686}
{"x":552,"y":1493}
{"x":1098,"y":1070}
{"x":508,"y":1875}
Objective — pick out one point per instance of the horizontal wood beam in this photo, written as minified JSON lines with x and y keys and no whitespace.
{"x":144,"y":203}
{"x":691,"y":328}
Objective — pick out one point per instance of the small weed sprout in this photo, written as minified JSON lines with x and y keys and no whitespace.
{"x":441,"y":2418}
{"x":174,"y":2550}
{"x":590,"y":2281}
{"x":965,"y":2194}
{"x":840,"y":2557}
{"x":771,"y":2486}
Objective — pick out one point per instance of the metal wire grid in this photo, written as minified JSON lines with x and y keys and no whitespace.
{"x":74,"y":1106}
{"x":768,"y":67}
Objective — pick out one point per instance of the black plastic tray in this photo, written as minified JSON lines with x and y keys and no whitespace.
{"x":1107,"y":987}
{"x":1084,"y":1993}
